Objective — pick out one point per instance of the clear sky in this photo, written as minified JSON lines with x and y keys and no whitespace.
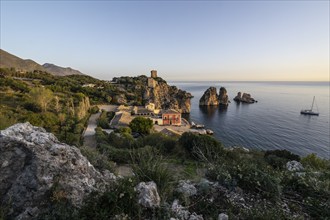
{"x":183,"y":40}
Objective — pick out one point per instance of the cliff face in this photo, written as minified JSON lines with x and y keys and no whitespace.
{"x":168,"y":97}
{"x":138,"y":91}
{"x":37,"y":169}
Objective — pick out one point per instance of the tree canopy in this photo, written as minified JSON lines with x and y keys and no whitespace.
{"x":141,"y":125}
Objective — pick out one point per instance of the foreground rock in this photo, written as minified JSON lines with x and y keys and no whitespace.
{"x":210,"y":97}
{"x":245,"y":98}
{"x":148,"y":194}
{"x":37,"y":169}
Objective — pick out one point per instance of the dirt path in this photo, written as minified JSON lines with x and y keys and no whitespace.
{"x":89,"y":134}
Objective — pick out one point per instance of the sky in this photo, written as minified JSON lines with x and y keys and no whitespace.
{"x":183,"y":40}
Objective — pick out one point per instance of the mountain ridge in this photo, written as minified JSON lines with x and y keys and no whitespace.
{"x":8,"y":60}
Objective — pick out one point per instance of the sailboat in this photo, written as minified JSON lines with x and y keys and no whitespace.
{"x":310,"y":111}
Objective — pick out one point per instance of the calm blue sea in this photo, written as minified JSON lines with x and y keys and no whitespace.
{"x":274,"y":122}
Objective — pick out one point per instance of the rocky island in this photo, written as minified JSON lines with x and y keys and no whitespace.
{"x":211,"y":97}
{"x":245,"y":98}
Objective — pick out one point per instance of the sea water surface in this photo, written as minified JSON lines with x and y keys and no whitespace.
{"x":274,"y":122}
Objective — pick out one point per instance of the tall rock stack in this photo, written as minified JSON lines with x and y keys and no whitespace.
{"x":210,"y":97}
{"x":223,"y":97}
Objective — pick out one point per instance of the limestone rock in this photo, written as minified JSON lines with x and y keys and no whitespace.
{"x":186,"y":188}
{"x":294,"y":166}
{"x":246,"y":98}
{"x":182,"y":213}
{"x":168,"y":97}
{"x":36,"y":168}
{"x":223,"y":216}
{"x":120,"y":99}
{"x":148,"y":194}
{"x":210,"y":97}
{"x":223,"y":96}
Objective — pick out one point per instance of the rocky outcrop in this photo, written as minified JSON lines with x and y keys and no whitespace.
{"x":161,"y":94}
{"x":210,"y":97}
{"x":245,"y":98}
{"x":294,"y":166}
{"x":148,"y":195}
{"x":181,"y":212}
{"x":120,"y":99}
{"x":168,"y":97}
{"x":223,"y":96}
{"x":186,"y":188}
{"x":36,"y":169}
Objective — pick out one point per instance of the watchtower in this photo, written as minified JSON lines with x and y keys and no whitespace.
{"x":153,"y":73}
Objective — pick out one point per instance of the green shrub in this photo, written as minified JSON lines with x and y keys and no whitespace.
{"x":99,"y":160}
{"x":120,"y":199}
{"x":279,"y":158}
{"x":95,"y":109}
{"x":316,"y":163}
{"x":201,"y":147}
{"x":141,"y":125}
{"x":149,"y":165}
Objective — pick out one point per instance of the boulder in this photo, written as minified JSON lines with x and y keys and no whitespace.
{"x":223,"y":216}
{"x":294,"y":166}
{"x":186,"y":188}
{"x":210,"y":97}
{"x":37,"y":169}
{"x":148,"y":194}
{"x":182,"y":213}
{"x":223,"y":96}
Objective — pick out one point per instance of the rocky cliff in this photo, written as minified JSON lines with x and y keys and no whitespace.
{"x":137,"y":91}
{"x":36,"y":170}
{"x":168,"y":97}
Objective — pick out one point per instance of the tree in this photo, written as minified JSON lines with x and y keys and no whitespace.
{"x":41,"y":96}
{"x":141,"y":125}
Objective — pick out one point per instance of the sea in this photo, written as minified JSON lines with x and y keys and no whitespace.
{"x":274,"y":122}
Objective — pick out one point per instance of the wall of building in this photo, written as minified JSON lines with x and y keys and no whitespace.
{"x":171,"y":119}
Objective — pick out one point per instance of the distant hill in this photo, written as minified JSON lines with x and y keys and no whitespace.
{"x":8,"y":60}
{"x":60,"y":71}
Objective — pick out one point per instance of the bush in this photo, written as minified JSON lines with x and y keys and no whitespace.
{"x":279,"y":158}
{"x":95,"y":109}
{"x":120,"y":200}
{"x":316,"y":163}
{"x":32,"y":106}
{"x":141,"y":125}
{"x":202,"y":147}
{"x":150,"y":166}
{"x":99,"y":160}
{"x":103,"y":120}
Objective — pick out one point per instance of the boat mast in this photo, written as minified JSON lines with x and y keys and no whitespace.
{"x":313,"y":103}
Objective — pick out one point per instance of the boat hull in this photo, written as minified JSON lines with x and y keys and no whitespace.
{"x":309,"y":113}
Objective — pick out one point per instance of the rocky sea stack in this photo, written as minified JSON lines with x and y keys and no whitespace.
{"x":211,"y":97}
{"x":245,"y":98}
{"x":37,"y":169}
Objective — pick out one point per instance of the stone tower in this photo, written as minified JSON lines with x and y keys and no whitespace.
{"x":153,"y":73}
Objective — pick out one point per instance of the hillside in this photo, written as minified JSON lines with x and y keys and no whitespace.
{"x":8,"y":60}
{"x":60,"y":71}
